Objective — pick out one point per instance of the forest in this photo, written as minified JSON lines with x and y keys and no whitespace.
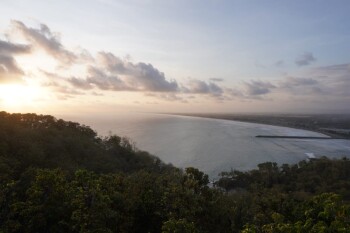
{"x":60,"y":176}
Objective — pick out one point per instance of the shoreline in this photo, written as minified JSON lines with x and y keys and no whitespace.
{"x":258,"y":119}
{"x":293,"y":137}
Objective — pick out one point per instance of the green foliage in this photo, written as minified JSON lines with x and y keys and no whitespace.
{"x":30,"y":140}
{"x":178,"y":226}
{"x":58,"y":176}
{"x":323,"y":213}
{"x":306,"y":178}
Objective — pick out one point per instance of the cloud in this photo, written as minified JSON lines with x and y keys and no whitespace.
{"x":301,"y":86}
{"x":256,"y":88}
{"x":137,"y":76}
{"x":341,"y":69}
{"x":195,"y":86}
{"x":335,"y":79}
{"x":9,"y":49}
{"x":172,"y":97}
{"x":9,"y":69}
{"x":305,"y":59}
{"x":111,"y":62}
{"x":54,"y":82}
{"x":44,"y":39}
{"x":80,"y":83}
{"x":146,"y":78}
{"x":63,"y":92}
{"x":321,"y":82}
{"x":102,"y":81}
{"x":234,"y":93}
{"x":104,"y":72}
{"x":149,"y":78}
{"x":216,"y":79}
{"x":115,"y":74}
{"x":292,"y":82}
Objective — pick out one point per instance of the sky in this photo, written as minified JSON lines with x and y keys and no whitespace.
{"x":107,"y":56}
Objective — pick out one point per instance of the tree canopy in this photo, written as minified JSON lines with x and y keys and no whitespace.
{"x":60,"y":176}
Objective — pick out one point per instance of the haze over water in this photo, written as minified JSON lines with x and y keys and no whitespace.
{"x":213,"y":145}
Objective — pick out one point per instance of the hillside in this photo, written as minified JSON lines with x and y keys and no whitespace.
{"x":42,"y":141}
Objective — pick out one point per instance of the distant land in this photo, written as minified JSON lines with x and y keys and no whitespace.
{"x":336,"y":126}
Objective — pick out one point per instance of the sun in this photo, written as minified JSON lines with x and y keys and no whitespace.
{"x":17,"y":95}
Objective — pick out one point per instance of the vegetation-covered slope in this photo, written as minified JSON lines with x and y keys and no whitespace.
{"x":30,"y":140}
{"x":59,"y":176}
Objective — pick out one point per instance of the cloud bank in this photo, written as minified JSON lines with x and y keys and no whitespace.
{"x":43,"y":38}
{"x":106,"y":72}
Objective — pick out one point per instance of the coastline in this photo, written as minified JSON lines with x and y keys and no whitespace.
{"x":261,"y":119}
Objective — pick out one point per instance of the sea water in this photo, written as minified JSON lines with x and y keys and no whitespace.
{"x":213,"y":145}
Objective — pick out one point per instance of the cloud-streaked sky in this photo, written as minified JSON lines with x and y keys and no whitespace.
{"x":175,"y":56}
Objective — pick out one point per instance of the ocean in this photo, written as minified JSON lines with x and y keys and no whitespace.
{"x":213,"y":145}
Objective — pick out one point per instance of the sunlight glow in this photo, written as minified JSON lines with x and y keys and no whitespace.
{"x":16,"y":95}
{"x":36,"y":61}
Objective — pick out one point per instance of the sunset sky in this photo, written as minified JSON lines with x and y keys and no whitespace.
{"x":107,"y":56}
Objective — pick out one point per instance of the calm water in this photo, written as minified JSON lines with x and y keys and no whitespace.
{"x":214,"y":145}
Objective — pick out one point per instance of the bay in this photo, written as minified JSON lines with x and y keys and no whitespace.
{"x":214,"y":145}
